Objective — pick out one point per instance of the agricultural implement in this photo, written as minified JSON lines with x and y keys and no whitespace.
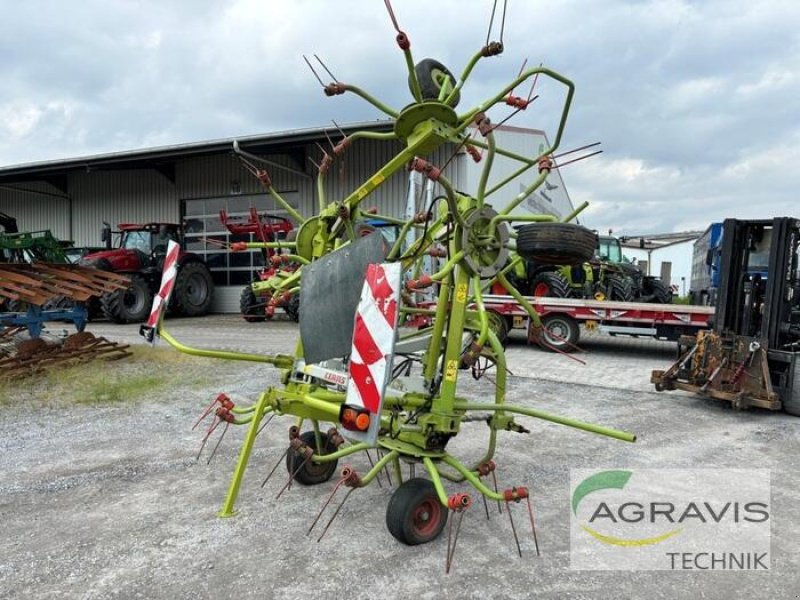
{"x":256,"y":303}
{"x":44,"y":292}
{"x":390,"y":392}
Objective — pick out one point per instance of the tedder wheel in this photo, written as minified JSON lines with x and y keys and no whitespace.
{"x":556,"y":243}
{"x":550,"y":284}
{"x":252,"y":310}
{"x":499,"y":325}
{"x":193,"y":289}
{"x":312,"y":473}
{"x":128,"y":306}
{"x":560,"y":332}
{"x":292,"y":308}
{"x":432,"y":75}
{"x":415,"y":515}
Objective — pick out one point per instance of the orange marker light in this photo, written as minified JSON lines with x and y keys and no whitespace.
{"x":362,"y":422}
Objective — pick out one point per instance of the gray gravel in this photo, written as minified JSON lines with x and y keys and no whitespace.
{"x":109,"y":502}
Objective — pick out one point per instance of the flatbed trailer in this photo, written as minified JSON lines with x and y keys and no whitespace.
{"x":562,"y":318}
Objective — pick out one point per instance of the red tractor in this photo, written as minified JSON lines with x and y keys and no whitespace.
{"x":140,"y":254}
{"x":265,"y":228}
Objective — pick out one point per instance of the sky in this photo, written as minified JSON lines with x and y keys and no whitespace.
{"x":695,"y":103}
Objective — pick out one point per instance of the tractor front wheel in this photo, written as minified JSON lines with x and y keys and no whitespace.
{"x":415,"y":515}
{"x":131,"y":305}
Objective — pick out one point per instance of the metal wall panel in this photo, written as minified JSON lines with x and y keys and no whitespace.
{"x":140,"y":196}
{"x":550,"y":198}
{"x":36,"y":206}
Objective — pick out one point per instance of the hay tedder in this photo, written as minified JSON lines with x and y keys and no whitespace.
{"x":395,"y":391}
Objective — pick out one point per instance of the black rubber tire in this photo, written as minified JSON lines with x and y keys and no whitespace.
{"x":556,"y":243}
{"x":292,"y":308}
{"x":312,"y":473}
{"x":560,"y":332}
{"x":131,"y":305}
{"x":657,"y":292}
{"x":792,"y":403}
{"x":414,"y":514}
{"x":550,"y":284}
{"x":499,"y":325}
{"x":618,"y":288}
{"x":194,"y":290}
{"x":248,"y":307}
{"x":430,"y":73}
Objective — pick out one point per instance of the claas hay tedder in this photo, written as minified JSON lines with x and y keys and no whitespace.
{"x":355,"y":382}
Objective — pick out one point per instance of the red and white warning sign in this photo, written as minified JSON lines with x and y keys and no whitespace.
{"x":372,"y":351}
{"x":161,"y":299}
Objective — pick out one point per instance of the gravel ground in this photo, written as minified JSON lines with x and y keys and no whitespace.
{"x":109,"y":501}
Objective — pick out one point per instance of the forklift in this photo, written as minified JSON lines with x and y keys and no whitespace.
{"x":751,"y":356}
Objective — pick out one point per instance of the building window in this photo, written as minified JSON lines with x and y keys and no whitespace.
{"x":208,"y":237}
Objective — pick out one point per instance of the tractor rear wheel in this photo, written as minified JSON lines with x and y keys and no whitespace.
{"x":311,"y":473}
{"x":556,"y":243}
{"x":131,"y":305}
{"x":415,"y":515}
{"x":252,"y":310}
{"x":193,"y":289}
{"x":550,"y":284}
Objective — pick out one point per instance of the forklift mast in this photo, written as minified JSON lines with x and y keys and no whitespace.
{"x":760,"y":283}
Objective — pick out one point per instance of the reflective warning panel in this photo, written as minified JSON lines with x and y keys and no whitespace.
{"x":372,"y":351}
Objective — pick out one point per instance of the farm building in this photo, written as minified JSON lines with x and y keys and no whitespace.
{"x":191,"y":183}
{"x":665,"y":255}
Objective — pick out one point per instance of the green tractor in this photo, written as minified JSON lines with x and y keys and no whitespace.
{"x":607,"y":276}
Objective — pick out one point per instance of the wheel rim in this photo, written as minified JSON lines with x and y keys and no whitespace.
{"x":556,"y":332}
{"x":196,"y":290}
{"x":425,"y":517}
{"x":541,"y":289}
{"x":134,"y":300}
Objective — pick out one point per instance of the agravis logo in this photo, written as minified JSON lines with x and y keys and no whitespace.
{"x":603,"y":481}
{"x":670,"y":519}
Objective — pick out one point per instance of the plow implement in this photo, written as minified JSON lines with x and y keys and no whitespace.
{"x":20,"y":359}
{"x":357,"y":383}
{"x":37,"y":293}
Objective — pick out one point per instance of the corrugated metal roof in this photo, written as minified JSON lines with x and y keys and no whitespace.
{"x":130,"y":158}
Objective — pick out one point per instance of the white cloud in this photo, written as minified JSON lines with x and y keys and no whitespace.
{"x":695,"y":103}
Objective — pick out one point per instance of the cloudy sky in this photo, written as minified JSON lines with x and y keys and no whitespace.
{"x":696,"y":103}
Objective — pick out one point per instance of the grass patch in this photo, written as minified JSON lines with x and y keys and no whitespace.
{"x":131,"y":379}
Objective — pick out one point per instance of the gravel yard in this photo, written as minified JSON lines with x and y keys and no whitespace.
{"x":108,"y":501}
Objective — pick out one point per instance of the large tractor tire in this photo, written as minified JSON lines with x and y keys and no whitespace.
{"x":252,"y":310}
{"x":550,"y":284}
{"x":618,"y":289}
{"x":194,"y":290}
{"x":556,"y":243}
{"x":657,"y":292}
{"x":128,"y":306}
